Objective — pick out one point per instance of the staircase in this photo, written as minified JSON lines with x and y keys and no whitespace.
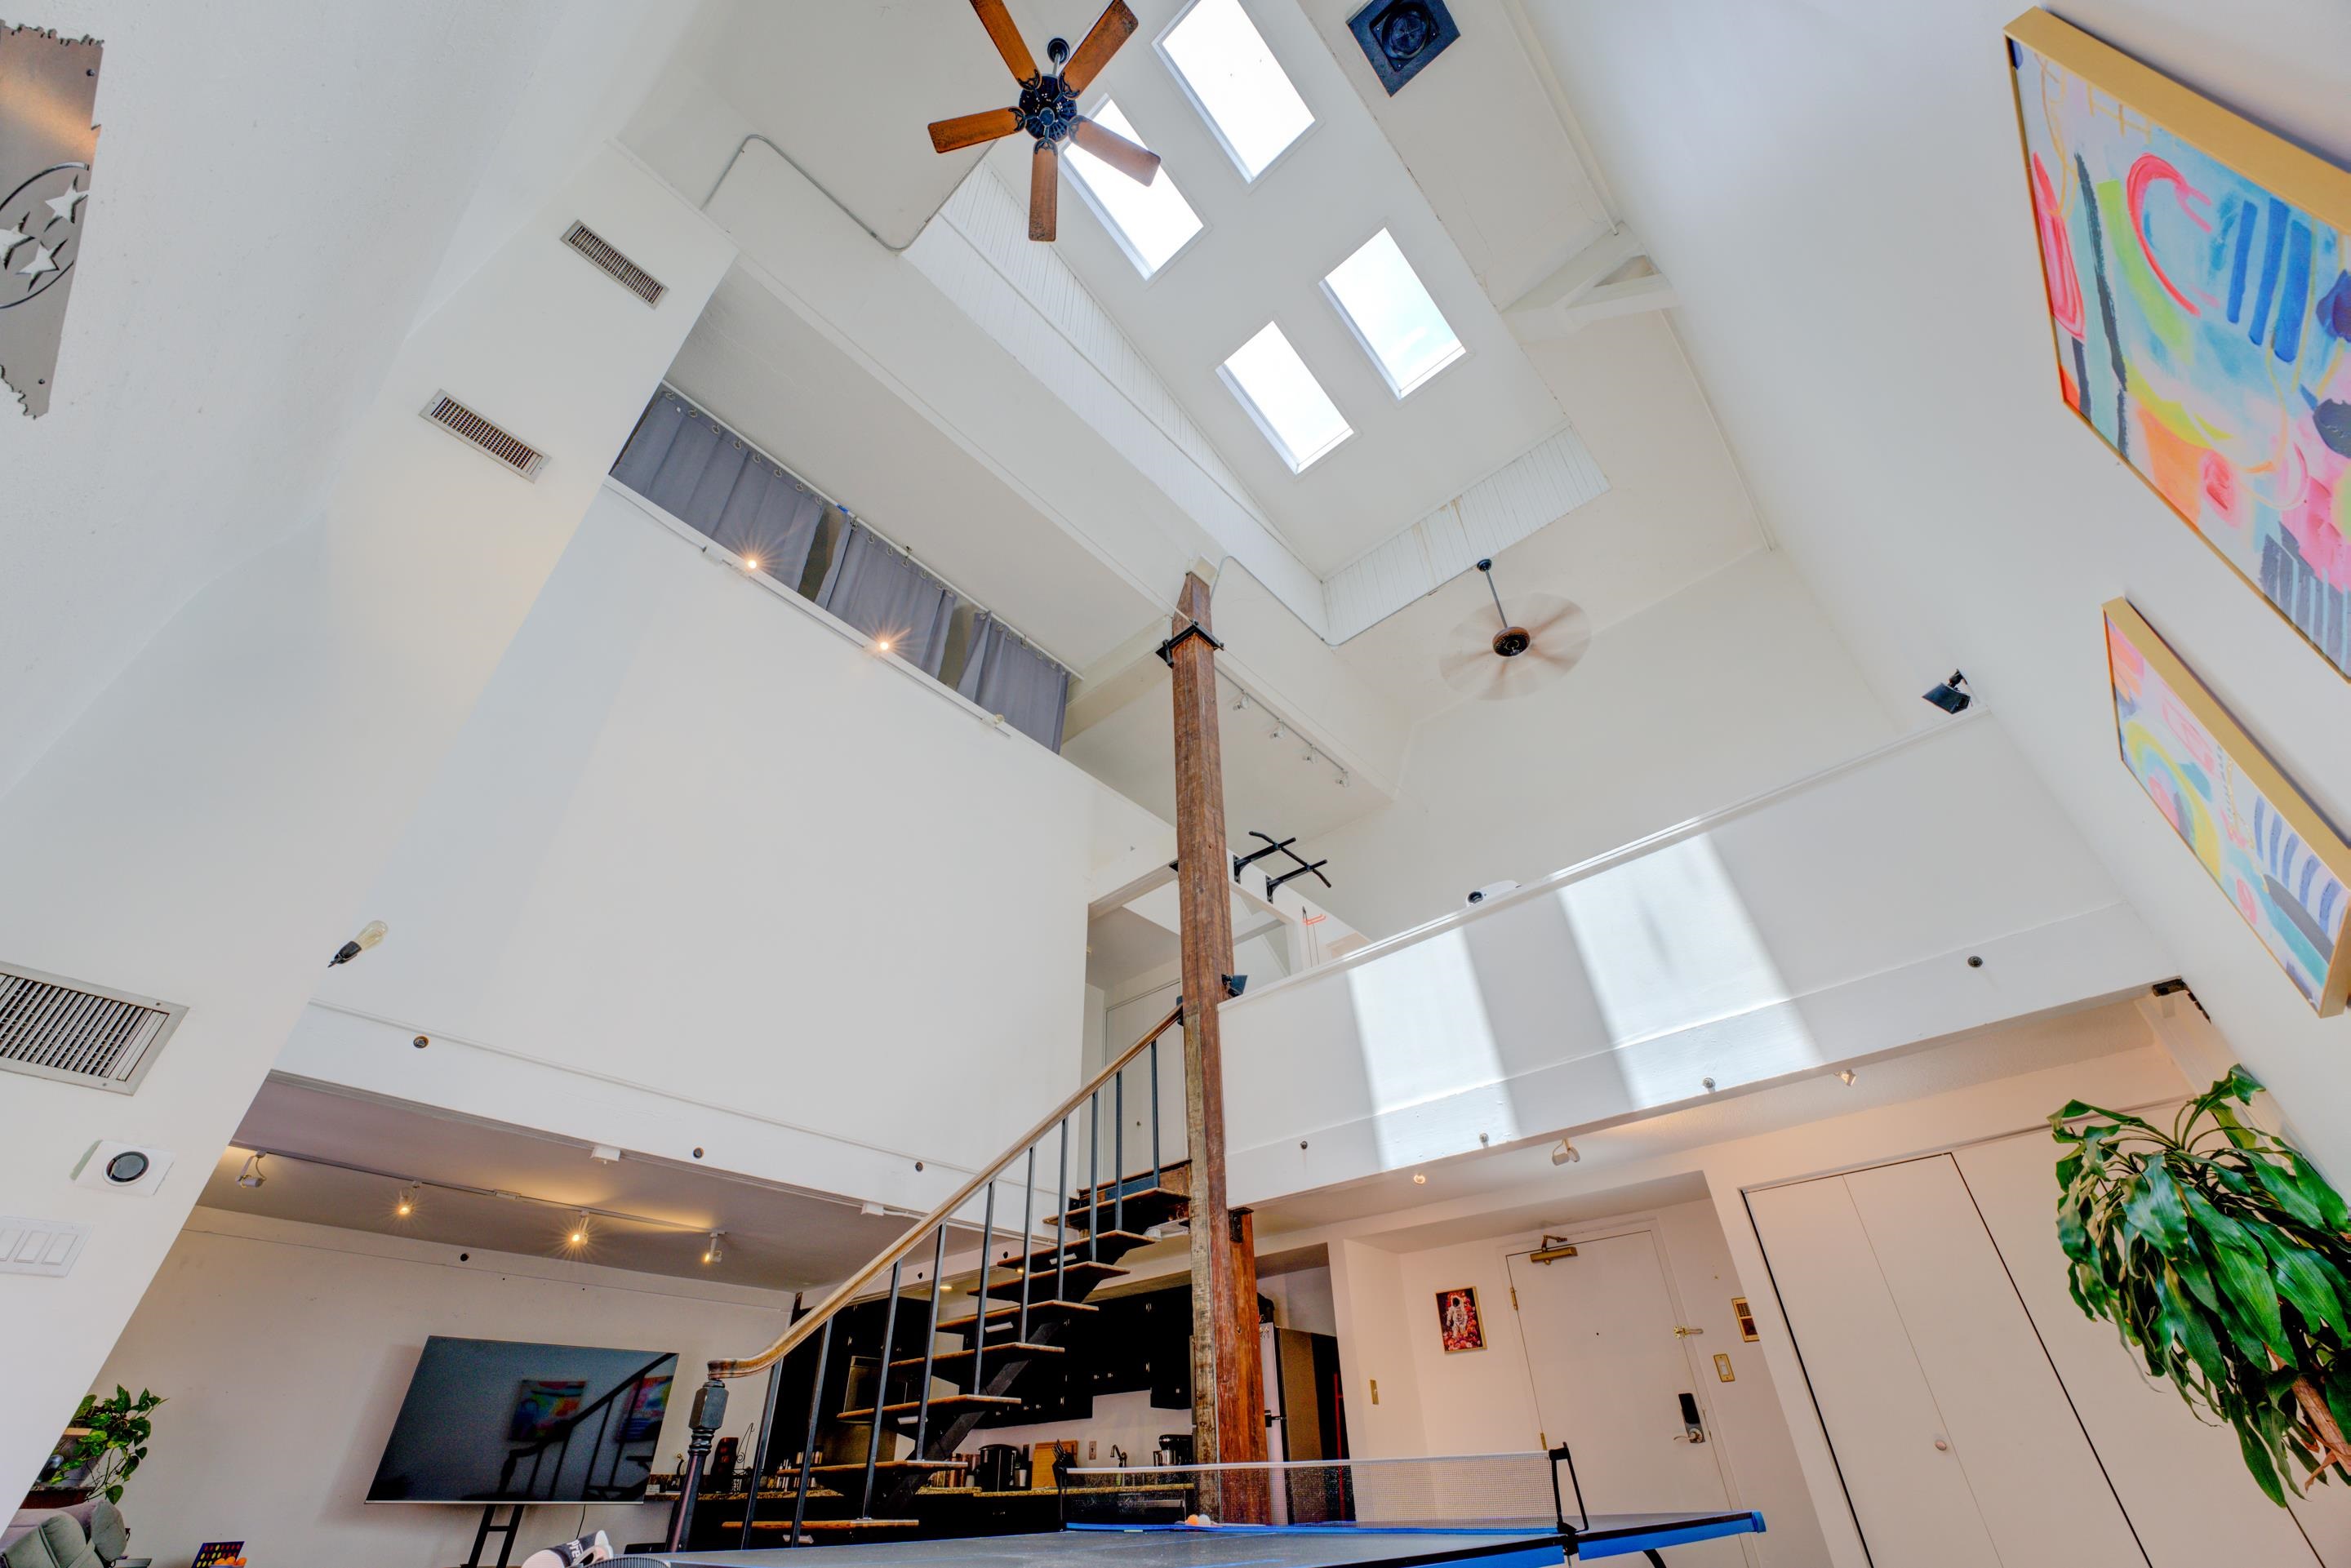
{"x":1000,"y":1322}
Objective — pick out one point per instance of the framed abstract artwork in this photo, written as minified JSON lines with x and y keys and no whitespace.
{"x":2280,"y":862}
{"x":2200,"y":310}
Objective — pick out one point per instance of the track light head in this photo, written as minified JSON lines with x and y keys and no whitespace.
{"x":711,"y":1254}
{"x":1952,"y":695}
{"x":579,"y":1230}
{"x":1567,"y":1153}
{"x":251,"y":1176}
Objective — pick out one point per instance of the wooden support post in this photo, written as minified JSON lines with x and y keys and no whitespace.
{"x":1246,"y":1408}
{"x":1224,"y":1343}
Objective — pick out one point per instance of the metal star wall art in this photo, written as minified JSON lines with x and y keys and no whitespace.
{"x":49,"y":92}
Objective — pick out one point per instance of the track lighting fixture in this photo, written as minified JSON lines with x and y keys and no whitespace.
{"x":1276,"y":732}
{"x":579,"y":1230}
{"x":1342,"y":778}
{"x":1567,"y":1153}
{"x":1952,"y":695}
{"x":1845,"y":1076}
{"x":406,"y":1204}
{"x":251,"y":1176}
{"x":1307,"y":755}
{"x":711,"y":1254}
{"x":373,"y":931}
{"x":1240,"y":703}
{"x":1420,"y":1179}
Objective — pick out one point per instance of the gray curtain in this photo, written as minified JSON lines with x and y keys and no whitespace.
{"x":884,"y":594}
{"x":708,"y":478}
{"x":1006,"y":675}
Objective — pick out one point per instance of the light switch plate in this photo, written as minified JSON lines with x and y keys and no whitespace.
{"x":39,"y":1245}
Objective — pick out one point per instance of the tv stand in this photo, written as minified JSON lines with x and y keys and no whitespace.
{"x":489,"y":1527}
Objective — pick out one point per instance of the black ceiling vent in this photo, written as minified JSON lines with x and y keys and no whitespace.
{"x":1400,"y":36}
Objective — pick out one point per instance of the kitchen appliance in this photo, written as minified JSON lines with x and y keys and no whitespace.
{"x":998,"y":1469}
{"x":1178,"y":1446}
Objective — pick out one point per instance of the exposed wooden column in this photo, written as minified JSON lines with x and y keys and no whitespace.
{"x":1223,"y":1346}
{"x":1246,"y":1405}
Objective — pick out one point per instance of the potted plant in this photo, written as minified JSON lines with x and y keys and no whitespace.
{"x":2221,"y":1253}
{"x":108,"y":1440}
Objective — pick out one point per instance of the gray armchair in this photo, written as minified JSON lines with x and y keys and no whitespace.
{"x":87,"y":1535}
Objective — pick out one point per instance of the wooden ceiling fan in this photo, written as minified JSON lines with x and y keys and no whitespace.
{"x":1049,"y":108}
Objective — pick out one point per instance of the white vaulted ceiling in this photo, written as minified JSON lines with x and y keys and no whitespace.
{"x":1262,"y":257}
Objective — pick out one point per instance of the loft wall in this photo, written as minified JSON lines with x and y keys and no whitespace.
{"x":1730,"y":686}
{"x":1831,"y":923}
{"x":204,"y":831}
{"x":706,"y":874}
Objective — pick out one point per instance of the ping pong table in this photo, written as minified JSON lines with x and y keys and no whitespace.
{"x":1489,"y":1511}
{"x":1523,"y":1545}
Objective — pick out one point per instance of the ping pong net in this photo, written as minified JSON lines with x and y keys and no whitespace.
{"x":1465,"y":1491}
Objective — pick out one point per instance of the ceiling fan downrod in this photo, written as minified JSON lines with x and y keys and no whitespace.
{"x":1510,"y":641}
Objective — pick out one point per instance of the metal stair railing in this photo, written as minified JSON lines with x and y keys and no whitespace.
{"x":710,"y":1400}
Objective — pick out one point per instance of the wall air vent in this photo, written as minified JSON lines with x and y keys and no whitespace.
{"x":613,"y":264}
{"x":80,"y":1033}
{"x":474,"y":430}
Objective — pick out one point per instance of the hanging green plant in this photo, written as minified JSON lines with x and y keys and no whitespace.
{"x":2221,"y":1253}
{"x":113,"y":1438}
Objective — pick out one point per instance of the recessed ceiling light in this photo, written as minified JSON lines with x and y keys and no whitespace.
{"x":1151,"y":223}
{"x":1224,"y":63}
{"x":1390,"y":310}
{"x":1283,"y":395}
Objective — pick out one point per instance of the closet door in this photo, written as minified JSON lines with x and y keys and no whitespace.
{"x":2044,"y":1496}
{"x":2181,"y":1481}
{"x":1909,"y":1494}
{"x":1956,"y":1441}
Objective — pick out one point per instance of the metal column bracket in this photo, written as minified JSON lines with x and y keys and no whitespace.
{"x":1168,"y":649}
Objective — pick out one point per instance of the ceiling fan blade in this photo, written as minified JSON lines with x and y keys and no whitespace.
{"x":1112,"y":28}
{"x":1007,"y":38}
{"x":1139,"y":163}
{"x":1044,"y":190}
{"x":971,"y":130}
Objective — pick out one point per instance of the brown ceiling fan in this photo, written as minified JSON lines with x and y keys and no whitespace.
{"x":1049,"y":108}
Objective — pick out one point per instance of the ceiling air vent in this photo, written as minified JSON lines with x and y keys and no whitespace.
{"x":474,"y":430}
{"x":79,"y":1033}
{"x":613,"y":264}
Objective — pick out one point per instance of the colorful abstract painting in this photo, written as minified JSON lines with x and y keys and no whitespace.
{"x":2280,"y":863}
{"x":2196,"y":284}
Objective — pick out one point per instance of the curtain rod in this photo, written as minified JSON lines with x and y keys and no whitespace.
{"x":842,"y":508}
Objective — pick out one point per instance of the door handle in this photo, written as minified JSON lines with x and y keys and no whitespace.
{"x":1693,"y":1429}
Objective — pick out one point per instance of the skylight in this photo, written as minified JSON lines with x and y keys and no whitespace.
{"x":1223,"y":62}
{"x":1389,"y":308}
{"x":1151,"y":221}
{"x":1283,"y":395}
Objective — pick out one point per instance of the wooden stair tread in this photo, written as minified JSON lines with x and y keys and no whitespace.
{"x":1007,"y":1314}
{"x":1082,"y":1270}
{"x":942,"y":1401}
{"x":1077,"y":1243}
{"x":858,"y":1468}
{"x":994,"y":1347}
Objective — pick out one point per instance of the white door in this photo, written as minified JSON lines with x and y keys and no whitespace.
{"x":1953,"y":1436}
{"x":2180,"y":1479}
{"x":1609,"y":1376}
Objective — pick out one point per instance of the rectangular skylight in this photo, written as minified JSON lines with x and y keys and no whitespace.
{"x":1283,"y":395}
{"x":1152,"y":221}
{"x":1389,"y":308}
{"x":1223,"y":62}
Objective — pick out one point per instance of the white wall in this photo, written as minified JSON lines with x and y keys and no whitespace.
{"x":1829,"y":922}
{"x":1483,"y":1402}
{"x":282,"y":1352}
{"x":1733,"y":685}
{"x":1839,"y":200}
{"x":717,"y":876}
{"x":204,"y":832}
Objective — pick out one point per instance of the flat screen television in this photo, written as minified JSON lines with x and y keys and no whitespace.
{"x":495,"y":1420}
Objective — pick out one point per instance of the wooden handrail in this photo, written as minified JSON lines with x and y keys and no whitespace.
{"x":799,"y":1332}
